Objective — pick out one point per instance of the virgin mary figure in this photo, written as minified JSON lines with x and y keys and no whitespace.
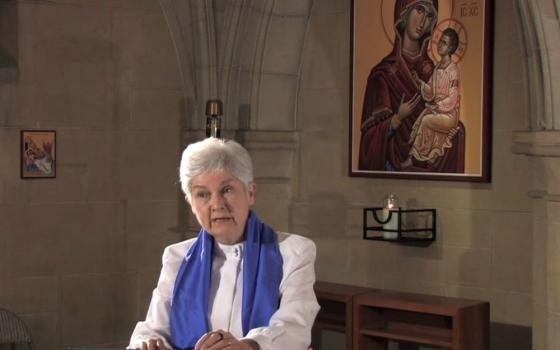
{"x":392,"y":99}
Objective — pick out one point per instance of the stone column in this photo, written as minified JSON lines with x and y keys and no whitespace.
{"x":543,"y":148}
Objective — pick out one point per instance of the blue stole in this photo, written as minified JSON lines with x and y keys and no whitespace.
{"x":262,"y":274}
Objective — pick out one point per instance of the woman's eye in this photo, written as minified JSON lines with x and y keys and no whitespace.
{"x":202,"y":195}
{"x":227,"y":189}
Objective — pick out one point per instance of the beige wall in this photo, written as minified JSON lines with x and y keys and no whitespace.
{"x":80,"y":254}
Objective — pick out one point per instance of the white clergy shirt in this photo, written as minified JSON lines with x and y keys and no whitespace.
{"x":289,"y":327}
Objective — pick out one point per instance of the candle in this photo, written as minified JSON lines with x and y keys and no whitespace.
{"x":390,"y":212}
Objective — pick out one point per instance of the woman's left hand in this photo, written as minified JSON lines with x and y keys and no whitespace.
{"x":221,"y":339}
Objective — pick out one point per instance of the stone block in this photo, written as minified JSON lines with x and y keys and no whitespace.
{"x":5,"y":102}
{"x":69,"y":186}
{"x":9,"y":158}
{"x":323,"y":109}
{"x":551,"y":176}
{"x":292,"y":8}
{"x":332,"y":263}
{"x":325,"y":64}
{"x":64,"y":60}
{"x":68,"y":238}
{"x":96,"y":154}
{"x":512,"y":253}
{"x":273,"y":164}
{"x":322,"y":153}
{"x":511,"y":307}
{"x":328,"y":214}
{"x":539,"y":283}
{"x":275,"y":213}
{"x":383,"y":263}
{"x":458,"y":291}
{"x":284,"y":44}
{"x":64,"y":106}
{"x":147,"y":282}
{"x":95,"y":244}
{"x":147,"y":56}
{"x":465,"y":228}
{"x":254,"y":40}
{"x":553,"y":326}
{"x":34,"y":239}
{"x":55,"y":22}
{"x":540,"y":331}
{"x":423,"y":265}
{"x":27,"y":51}
{"x":277,"y":102}
{"x":150,"y":227}
{"x":96,"y":309}
{"x":268,"y":190}
{"x":33,"y":294}
{"x":156,"y":109}
{"x":414,"y":286}
{"x":468,"y":267}
{"x":552,"y":211}
{"x":331,"y":6}
{"x":43,"y":327}
{"x":149,"y":161}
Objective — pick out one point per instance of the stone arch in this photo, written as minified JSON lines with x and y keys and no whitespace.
{"x":540,"y":28}
{"x":246,"y":53}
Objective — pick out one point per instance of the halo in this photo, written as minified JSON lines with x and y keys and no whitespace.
{"x":463,"y":39}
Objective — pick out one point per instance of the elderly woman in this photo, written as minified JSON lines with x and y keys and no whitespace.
{"x":239,"y":284}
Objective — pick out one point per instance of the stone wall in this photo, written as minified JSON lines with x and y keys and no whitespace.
{"x":79,"y":254}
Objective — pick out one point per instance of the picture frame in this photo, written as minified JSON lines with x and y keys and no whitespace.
{"x":38,"y":154}
{"x":420,"y":89}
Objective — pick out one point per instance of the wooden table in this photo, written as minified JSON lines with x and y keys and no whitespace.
{"x":371,"y":318}
{"x":336,"y":312}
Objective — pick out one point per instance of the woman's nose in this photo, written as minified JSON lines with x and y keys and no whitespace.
{"x":217,"y":202}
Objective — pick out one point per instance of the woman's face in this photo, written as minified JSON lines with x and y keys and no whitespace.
{"x":419,"y":21}
{"x":221,"y":204}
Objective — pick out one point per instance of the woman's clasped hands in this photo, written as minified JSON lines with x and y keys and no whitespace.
{"x":214,"y":340}
{"x":221,"y":339}
{"x":153,"y":344}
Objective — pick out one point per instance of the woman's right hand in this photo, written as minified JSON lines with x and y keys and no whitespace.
{"x":220,"y":339}
{"x":405,"y":109}
{"x":153,"y":344}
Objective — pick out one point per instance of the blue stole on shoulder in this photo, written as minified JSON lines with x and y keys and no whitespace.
{"x":262,"y":274}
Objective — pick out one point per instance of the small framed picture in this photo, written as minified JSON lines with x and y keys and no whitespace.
{"x":38,"y":154}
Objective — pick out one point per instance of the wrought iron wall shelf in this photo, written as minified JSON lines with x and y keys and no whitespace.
{"x":400,"y":225}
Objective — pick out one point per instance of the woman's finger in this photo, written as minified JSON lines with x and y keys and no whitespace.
{"x":202,"y":341}
{"x":160,"y":345}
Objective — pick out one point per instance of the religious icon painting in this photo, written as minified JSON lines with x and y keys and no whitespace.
{"x":38,"y":154}
{"x":421,"y":89}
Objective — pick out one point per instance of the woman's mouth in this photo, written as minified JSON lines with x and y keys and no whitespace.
{"x":221,"y":220}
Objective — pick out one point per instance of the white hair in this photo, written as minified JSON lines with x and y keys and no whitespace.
{"x":212,"y":154}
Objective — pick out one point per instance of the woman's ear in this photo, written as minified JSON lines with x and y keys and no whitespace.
{"x":252,"y":191}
